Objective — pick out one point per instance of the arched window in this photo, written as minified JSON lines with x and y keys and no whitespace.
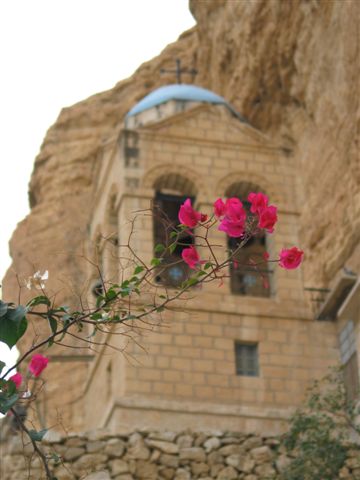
{"x":170,"y":192}
{"x":245,"y":277}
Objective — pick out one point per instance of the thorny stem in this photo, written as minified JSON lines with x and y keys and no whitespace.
{"x":42,"y":456}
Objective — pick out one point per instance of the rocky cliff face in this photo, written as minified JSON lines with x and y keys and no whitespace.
{"x":291,"y":68}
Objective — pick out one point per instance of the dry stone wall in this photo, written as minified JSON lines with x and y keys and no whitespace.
{"x":150,"y":455}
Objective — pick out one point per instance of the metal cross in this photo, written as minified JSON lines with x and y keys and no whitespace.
{"x":178,"y":71}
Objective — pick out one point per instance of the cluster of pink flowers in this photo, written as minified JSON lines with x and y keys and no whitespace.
{"x":232,"y":217}
{"x":37,"y":364}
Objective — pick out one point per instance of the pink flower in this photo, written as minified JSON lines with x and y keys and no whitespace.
{"x":235,"y":217}
{"x":17,"y":379}
{"x":258,"y":201}
{"x":188,"y":216}
{"x":233,"y":229}
{"x":290,"y":258}
{"x":37,"y":364}
{"x":191,"y":256}
{"x":268,"y":218}
{"x":266,"y":256}
{"x":219,"y":208}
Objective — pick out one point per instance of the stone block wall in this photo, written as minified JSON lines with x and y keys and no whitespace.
{"x":151,"y":455}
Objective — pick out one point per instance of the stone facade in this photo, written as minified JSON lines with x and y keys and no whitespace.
{"x":185,"y":364}
{"x":153,"y":455}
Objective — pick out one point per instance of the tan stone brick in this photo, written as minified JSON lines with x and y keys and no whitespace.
{"x":163,"y":388}
{"x":203,"y":391}
{"x":184,"y":390}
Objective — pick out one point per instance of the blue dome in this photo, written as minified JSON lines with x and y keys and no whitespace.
{"x":184,"y":92}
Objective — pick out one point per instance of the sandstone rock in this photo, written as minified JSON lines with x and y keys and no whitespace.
{"x":167,"y":473}
{"x":282,"y":462}
{"x":73,"y":453}
{"x":114,"y":447}
{"x":252,"y":442}
{"x":137,"y":448}
{"x":75,"y":442}
{"x":166,"y":436}
{"x":262,"y":454}
{"x":251,"y":477}
{"x":265,"y":470}
{"x":199,"y":468}
{"x":215,"y":469}
{"x":243,"y":463}
{"x":182,"y":474}
{"x":230,"y":440}
{"x":169,"y":460}
{"x":155,"y":455}
{"x":215,"y":457}
{"x":99,"y":434}
{"x":231,"y":450}
{"x":90,"y":461}
{"x":165,"y":447}
{"x":92,"y":447}
{"x":227,"y":473}
{"x":200,"y":439}
{"x":119,"y":466}
{"x":146,"y":470}
{"x":124,"y":476}
{"x":104,"y":475}
{"x":64,"y":472}
{"x":185,"y":441}
{"x":195,"y":454}
{"x":353,"y":462}
{"x":344,"y":472}
{"x":211,"y":444}
{"x":52,"y":436}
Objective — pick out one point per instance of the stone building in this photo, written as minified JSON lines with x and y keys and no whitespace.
{"x":238,"y":355}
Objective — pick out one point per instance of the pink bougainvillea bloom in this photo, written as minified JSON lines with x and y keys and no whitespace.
{"x":188,"y":216}
{"x":17,"y":379}
{"x":234,"y":214}
{"x":219,"y":208}
{"x":37,"y":364}
{"x":203,"y":217}
{"x":268,"y":218}
{"x":233,"y":229}
{"x":266,"y":256}
{"x":258,"y":201}
{"x":191,"y":256}
{"x":290,"y":258}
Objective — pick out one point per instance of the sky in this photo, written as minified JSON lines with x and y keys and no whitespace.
{"x":54,"y":53}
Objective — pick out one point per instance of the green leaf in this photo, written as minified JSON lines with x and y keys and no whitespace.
{"x":7,"y":402}
{"x":37,"y":436}
{"x":191,"y":282}
{"x":53,"y":324}
{"x":201,"y":273}
{"x":3,"y":308}
{"x":40,"y":300}
{"x":159,"y":248}
{"x":138,"y":269}
{"x":207,"y":265}
{"x":172,"y":247}
{"x":110,"y":294}
{"x":160,"y":309}
{"x":2,"y":365}
{"x":13,"y":326}
{"x":155,"y":262}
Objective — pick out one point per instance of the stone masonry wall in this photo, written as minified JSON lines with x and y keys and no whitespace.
{"x":150,"y":455}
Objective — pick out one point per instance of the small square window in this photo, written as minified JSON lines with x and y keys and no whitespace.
{"x":246,"y":358}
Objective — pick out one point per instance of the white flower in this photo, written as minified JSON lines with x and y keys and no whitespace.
{"x":37,"y":280}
